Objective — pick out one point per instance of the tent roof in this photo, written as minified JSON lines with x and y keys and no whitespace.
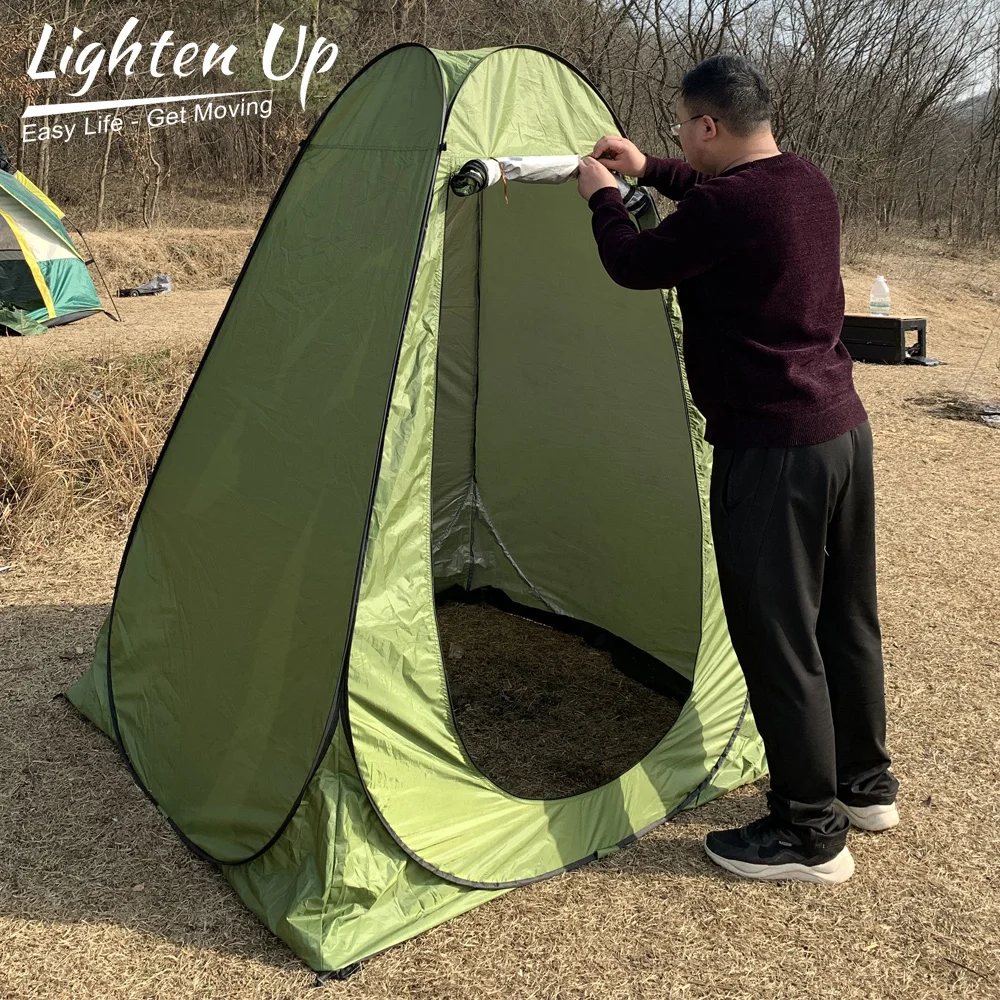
{"x":42,"y":210}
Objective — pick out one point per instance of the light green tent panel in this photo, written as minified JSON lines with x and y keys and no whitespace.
{"x":540,"y":359}
{"x":409,"y":391}
{"x":454,"y":455}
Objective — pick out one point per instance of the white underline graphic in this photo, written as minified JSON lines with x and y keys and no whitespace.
{"x":43,"y":110}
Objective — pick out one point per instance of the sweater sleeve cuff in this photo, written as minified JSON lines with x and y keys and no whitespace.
{"x":605,"y":196}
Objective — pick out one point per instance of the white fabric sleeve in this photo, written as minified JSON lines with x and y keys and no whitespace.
{"x":551,"y":170}
{"x":539,"y":169}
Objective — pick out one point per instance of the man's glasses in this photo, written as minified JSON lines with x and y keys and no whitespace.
{"x":675,"y":129}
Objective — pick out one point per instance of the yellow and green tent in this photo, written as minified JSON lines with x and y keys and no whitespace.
{"x":43,"y":277}
{"x":410,"y":391}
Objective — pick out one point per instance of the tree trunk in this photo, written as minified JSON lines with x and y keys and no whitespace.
{"x":103,"y":180}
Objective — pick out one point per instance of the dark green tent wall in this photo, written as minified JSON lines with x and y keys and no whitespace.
{"x":406,"y":391}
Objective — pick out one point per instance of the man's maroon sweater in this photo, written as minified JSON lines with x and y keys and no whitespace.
{"x":755,"y":256}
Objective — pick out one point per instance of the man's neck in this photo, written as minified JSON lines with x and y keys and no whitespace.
{"x":763,"y":149}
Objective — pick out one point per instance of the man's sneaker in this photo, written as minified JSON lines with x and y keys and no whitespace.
{"x":874,"y":819}
{"x":765,"y":850}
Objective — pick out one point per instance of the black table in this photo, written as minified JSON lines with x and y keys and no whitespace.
{"x":883,"y":338}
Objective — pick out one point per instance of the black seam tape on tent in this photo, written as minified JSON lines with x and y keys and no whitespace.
{"x":695,"y":792}
{"x":675,"y":685}
{"x":334,"y":710}
{"x":378,"y":149}
{"x":475,"y":400}
{"x":70,"y":317}
{"x":687,"y":417}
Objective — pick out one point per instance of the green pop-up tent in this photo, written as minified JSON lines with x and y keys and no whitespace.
{"x":411,"y":391}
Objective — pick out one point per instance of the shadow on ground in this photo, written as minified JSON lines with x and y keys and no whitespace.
{"x":81,"y":842}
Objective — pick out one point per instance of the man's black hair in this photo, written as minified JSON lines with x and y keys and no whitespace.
{"x":728,"y":87}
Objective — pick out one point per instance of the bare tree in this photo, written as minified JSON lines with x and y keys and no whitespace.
{"x":879,"y":93}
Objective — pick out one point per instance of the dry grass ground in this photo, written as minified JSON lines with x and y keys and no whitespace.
{"x":571,"y":719}
{"x":194,"y":258}
{"x":98,"y":900}
{"x":83,"y":412}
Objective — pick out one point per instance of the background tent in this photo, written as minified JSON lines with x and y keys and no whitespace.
{"x":448,"y":404}
{"x":41,"y":271}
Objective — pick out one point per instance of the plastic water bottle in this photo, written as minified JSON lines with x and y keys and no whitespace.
{"x":878,"y":301}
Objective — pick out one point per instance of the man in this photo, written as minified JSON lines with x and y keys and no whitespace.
{"x":753,"y":249}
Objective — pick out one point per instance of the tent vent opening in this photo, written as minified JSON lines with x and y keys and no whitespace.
{"x":547,"y":706}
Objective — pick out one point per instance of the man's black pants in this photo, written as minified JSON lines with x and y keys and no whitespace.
{"x":794,"y":532}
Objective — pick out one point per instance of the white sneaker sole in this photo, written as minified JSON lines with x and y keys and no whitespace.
{"x":838,"y":869}
{"x":873,"y":819}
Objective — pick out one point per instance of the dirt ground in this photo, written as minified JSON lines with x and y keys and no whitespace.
{"x":179,"y":319}
{"x":99,"y":900}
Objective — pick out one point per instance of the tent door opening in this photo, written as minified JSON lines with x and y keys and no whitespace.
{"x":563,"y":492}
{"x":547,"y":706}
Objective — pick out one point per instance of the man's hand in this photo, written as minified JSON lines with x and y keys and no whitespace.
{"x":621,"y":155}
{"x":593,"y":177}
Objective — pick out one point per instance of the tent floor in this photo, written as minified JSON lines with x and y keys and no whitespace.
{"x":541,"y":712}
